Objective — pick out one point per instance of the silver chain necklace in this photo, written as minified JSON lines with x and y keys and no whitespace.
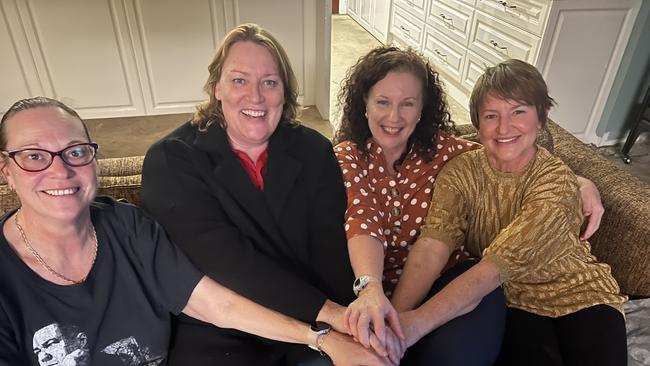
{"x":42,"y":261}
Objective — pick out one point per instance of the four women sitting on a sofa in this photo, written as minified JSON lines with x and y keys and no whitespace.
{"x":258,"y":203}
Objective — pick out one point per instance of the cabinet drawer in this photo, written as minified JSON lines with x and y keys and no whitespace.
{"x":496,"y":41}
{"x":474,"y":67}
{"x":530,"y":15}
{"x":468,"y":2}
{"x":452,"y":18}
{"x":443,"y":52}
{"x":417,"y":8}
{"x":406,"y":27}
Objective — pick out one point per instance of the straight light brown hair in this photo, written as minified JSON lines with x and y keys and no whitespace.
{"x":211,"y":111}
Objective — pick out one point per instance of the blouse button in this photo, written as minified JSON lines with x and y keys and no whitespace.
{"x":394,"y":192}
{"x":395,"y":211}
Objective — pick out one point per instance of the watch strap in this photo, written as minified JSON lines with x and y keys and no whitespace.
{"x":361,"y":282}
{"x":316,"y":335}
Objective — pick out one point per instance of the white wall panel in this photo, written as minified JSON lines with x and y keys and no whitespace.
{"x":88,"y":60}
{"x":597,"y":32}
{"x":284,"y":19}
{"x":15,"y":83}
{"x":110,"y":58}
{"x":178,"y":41}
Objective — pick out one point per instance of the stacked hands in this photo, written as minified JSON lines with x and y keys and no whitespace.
{"x":373,"y":321}
{"x":370,"y":321}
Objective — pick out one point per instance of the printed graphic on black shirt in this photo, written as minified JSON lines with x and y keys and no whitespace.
{"x":57,"y":344}
{"x":66,"y":345}
{"x":132,"y":354}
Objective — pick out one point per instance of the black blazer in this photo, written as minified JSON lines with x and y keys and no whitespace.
{"x":284,"y":248}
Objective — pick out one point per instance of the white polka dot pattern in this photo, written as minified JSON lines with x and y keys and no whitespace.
{"x":391,"y":208}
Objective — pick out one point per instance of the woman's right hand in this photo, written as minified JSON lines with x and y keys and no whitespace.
{"x":412,"y":330}
{"x":372,"y":309}
{"x":345,"y":351}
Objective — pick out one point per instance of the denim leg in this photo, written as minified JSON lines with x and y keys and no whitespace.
{"x":471,"y":339}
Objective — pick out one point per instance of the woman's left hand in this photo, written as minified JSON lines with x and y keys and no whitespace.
{"x":592,"y":206}
{"x":372,"y":308}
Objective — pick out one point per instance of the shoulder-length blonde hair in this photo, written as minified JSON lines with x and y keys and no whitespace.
{"x":211,"y":111}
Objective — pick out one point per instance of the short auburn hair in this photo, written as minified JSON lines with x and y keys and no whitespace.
{"x":512,"y":80}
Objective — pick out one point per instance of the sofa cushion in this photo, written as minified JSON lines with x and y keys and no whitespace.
{"x":121,"y":178}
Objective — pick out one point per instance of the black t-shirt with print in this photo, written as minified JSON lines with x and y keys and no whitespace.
{"x":119,"y":316}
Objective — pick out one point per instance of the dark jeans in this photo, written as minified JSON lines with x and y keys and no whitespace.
{"x":301,"y":355}
{"x":471,"y":339}
{"x":592,"y":336}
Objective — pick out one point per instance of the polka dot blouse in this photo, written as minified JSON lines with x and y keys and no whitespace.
{"x":392,"y":208}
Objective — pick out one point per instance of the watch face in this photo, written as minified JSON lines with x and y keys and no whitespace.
{"x":320,"y":327}
{"x":360,"y":283}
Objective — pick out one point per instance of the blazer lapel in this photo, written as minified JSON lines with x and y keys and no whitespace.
{"x":282,"y":171}
{"x":231,"y":177}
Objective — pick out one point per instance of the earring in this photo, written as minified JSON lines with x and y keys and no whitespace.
{"x":366,"y":114}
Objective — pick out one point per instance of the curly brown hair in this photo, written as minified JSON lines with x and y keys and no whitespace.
{"x":372,"y":68}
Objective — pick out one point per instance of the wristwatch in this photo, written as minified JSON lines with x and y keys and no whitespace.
{"x":361,"y":282}
{"x":316,"y":334}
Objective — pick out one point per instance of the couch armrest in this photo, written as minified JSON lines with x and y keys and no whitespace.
{"x":623,"y":240}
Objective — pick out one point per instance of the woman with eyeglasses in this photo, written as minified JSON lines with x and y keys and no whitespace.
{"x":91,"y":281}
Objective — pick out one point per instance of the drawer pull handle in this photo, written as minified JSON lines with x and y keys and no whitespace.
{"x":405,"y":29}
{"x":440,"y":54}
{"x":505,"y":4}
{"x":493,"y":43}
{"x":444,"y":17}
{"x":410,"y":4}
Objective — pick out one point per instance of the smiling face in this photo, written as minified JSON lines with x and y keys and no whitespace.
{"x":60,"y":191}
{"x":508,"y":131}
{"x":49,"y":345}
{"x":393,"y":108}
{"x":251,"y":94}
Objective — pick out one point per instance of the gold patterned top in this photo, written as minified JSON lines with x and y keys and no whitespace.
{"x":528,"y":224}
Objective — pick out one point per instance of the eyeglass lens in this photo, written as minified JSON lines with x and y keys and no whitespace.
{"x":39,"y":159}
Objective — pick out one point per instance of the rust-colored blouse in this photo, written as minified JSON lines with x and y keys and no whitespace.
{"x":392,"y":208}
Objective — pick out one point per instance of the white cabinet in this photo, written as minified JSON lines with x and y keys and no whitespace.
{"x":416,"y":7}
{"x":88,"y":62}
{"x":497,"y":41}
{"x":447,"y":54}
{"x":373,"y":15}
{"x":406,"y":27}
{"x":576,"y":44}
{"x":452,"y":18}
{"x":172,"y":68}
{"x":529,"y":15}
{"x":115,"y":58}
